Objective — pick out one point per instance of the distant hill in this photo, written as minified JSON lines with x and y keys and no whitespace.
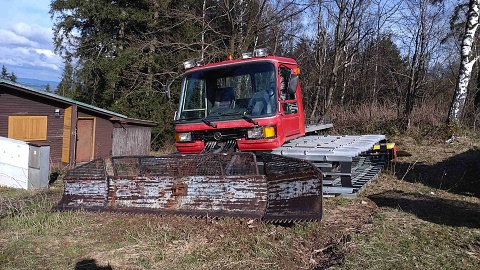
{"x":38,"y":84}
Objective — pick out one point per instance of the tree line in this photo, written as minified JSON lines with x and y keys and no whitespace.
{"x":402,"y":56}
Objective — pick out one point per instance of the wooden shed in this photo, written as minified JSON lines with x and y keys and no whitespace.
{"x":76,"y":132}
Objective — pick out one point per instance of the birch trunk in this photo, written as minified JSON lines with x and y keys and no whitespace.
{"x":466,"y":65}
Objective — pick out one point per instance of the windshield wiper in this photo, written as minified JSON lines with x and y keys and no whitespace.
{"x":239,"y":113}
{"x":209,"y":123}
{"x":187,"y":119}
{"x":219,"y":114}
{"x":249,"y":119}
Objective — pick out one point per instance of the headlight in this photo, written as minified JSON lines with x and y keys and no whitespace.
{"x":183,"y":137}
{"x":261,"y":133}
{"x":255,"y":133}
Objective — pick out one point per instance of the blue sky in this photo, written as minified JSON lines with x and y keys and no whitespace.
{"x":26,"y":45}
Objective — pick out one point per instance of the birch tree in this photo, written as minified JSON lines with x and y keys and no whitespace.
{"x":467,"y":60}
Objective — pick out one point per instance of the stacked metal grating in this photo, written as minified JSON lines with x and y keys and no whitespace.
{"x":347,"y":162}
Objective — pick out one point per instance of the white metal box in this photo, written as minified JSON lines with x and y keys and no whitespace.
{"x":23,"y":165}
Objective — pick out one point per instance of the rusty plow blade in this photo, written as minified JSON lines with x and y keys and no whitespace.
{"x":205,"y":185}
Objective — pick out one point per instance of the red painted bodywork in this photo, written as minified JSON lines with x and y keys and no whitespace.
{"x":288,"y":126}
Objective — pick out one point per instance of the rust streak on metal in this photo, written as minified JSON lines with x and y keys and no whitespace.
{"x":179,"y":189}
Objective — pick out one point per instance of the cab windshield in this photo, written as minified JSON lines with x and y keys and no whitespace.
{"x":228,"y":92}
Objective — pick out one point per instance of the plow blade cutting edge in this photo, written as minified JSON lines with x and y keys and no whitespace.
{"x":206,"y":185}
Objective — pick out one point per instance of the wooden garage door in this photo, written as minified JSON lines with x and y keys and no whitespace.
{"x":85,"y":139}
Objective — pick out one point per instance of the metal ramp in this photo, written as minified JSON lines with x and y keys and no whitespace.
{"x":347,"y":162}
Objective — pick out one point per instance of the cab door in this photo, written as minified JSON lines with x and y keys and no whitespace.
{"x":289,"y":103}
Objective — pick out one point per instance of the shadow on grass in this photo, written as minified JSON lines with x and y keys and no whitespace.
{"x":90,"y":264}
{"x":430,"y":208}
{"x":459,"y":174}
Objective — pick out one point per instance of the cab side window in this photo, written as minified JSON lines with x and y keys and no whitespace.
{"x":285,"y":74}
{"x":288,"y":99}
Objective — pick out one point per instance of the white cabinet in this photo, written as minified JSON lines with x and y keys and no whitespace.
{"x":23,"y":165}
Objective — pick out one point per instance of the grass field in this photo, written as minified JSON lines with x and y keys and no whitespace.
{"x":423,"y":212}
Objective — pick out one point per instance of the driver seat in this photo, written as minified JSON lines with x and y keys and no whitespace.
{"x":259,"y":104}
{"x":225,"y":98}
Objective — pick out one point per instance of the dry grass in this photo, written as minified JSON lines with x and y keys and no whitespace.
{"x":40,"y":239}
{"x":165,"y":150}
{"x":365,"y":118}
{"x":422,"y":213}
{"x":427,"y":120}
{"x":429,"y":211}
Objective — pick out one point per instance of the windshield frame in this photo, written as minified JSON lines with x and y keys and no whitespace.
{"x":249,"y":80}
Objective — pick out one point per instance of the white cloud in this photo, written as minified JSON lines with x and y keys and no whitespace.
{"x":40,"y":35}
{"x":9,"y":38}
{"x":32,"y":62}
{"x":26,"y":46}
{"x":47,"y":53}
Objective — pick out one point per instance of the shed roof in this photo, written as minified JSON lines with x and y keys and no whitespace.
{"x":113,"y":115}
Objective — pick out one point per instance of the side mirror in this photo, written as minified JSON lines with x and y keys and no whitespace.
{"x":292,"y":84}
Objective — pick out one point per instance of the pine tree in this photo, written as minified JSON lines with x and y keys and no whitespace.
{"x":12,"y":77}
{"x":4,"y":73}
{"x":126,"y":52}
{"x":8,"y":76}
{"x":66,"y":86}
